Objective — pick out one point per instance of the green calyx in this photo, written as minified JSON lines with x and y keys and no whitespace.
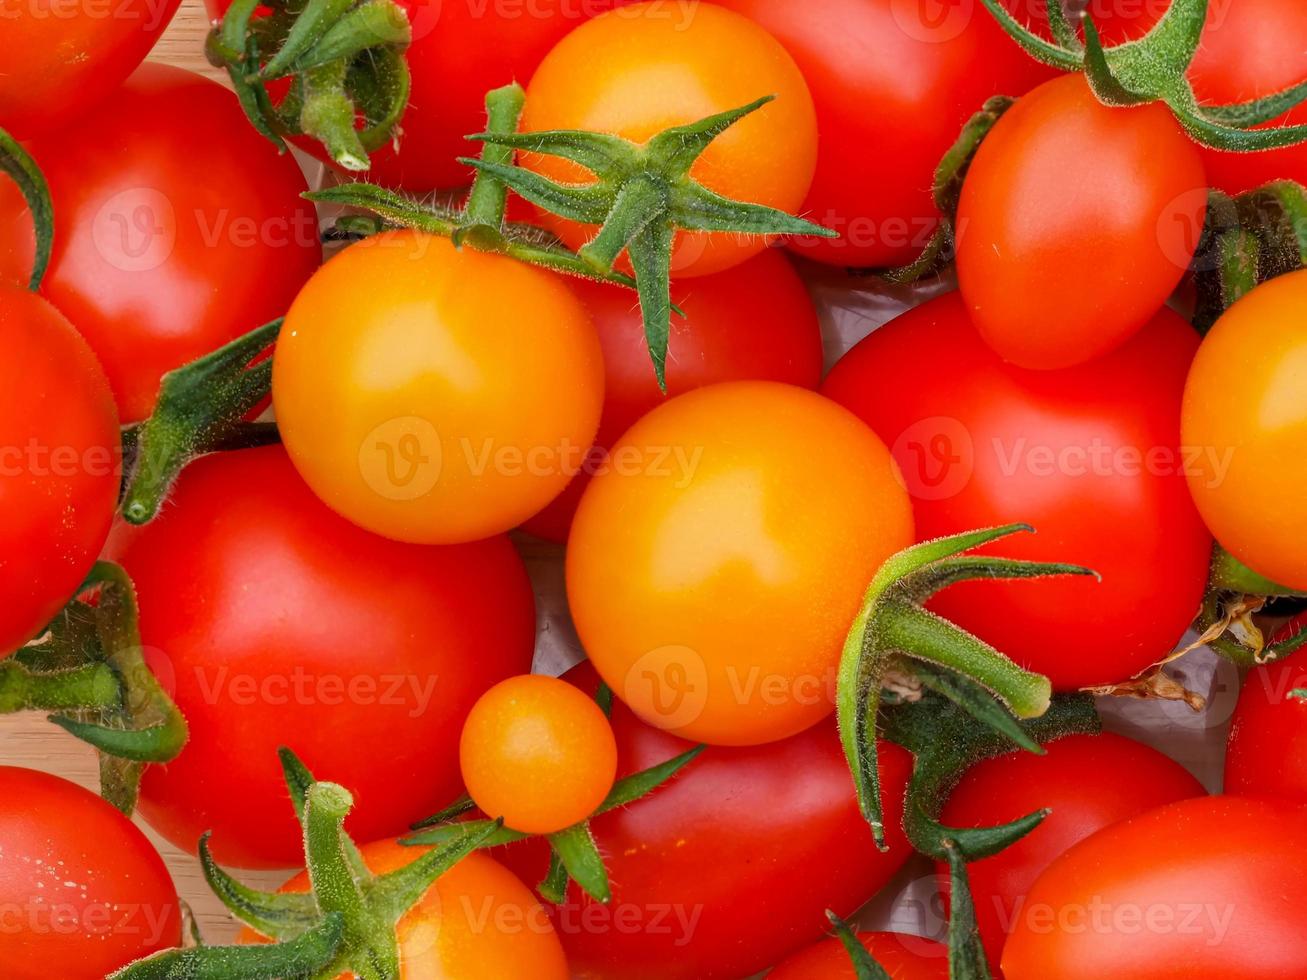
{"x":641,"y":197}
{"x":19,"y":165}
{"x":1155,"y":68}
{"x":90,"y":671}
{"x":1235,"y":593}
{"x":894,"y":633}
{"x":574,"y":855}
{"x":864,"y":967}
{"x":345,"y":925}
{"x":344,"y":60}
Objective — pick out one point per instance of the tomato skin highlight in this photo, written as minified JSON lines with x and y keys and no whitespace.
{"x":1245,"y":407}
{"x":714,"y":572}
{"x":1089,"y":456}
{"x":692,"y":849}
{"x":1087,"y":781}
{"x":1213,"y":882}
{"x":84,"y":891}
{"x":1267,"y":751}
{"x":273,"y":622}
{"x":663,"y":64}
{"x":154,"y":266}
{"x":61,"y":467}
{"x":903,"y":957}
{"x":1076,"y":222}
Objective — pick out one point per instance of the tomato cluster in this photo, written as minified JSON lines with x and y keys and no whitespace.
{"x":287,"y":540}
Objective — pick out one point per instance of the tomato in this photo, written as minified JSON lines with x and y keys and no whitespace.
{"x":1245,"y":407}
{"x":82,"y":890}
{"x":1076,"y":222}
{"x":731,"y":865}
{"x":1267,"y":751}
{"x":894,"y":82}
{"x":61,"y":59}
{"x":715,"y":569}
{"x":1090,"y":456}
{"x":1088,"y":781}
{"x":477,"y":920}
{"x":177,"y":229}
{"x":640,"y":70}
{"x":753,"y":322}
{"x":451,"y":400}
{"x":275,"y":623}
{"x":902,"y":957}
{"x":59,"y":466}
{"x":1206,"y":887}
{"x":539,"y":753}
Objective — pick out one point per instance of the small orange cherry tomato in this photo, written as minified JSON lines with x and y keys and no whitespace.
{"x":1245,"y":428}
{"x":539,"y":753}
{"x":436,"y":395}
{"x":902,"y":957}
{"x":717,"y":562}
{"x":641,"y":69}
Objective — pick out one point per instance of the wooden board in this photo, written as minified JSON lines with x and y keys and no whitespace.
{"x":183,"y":44}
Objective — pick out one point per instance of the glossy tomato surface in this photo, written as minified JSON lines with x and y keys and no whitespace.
{"x":178,"y":228}
{"x":715,"y":570}
{"x":730,"y":866}
{"x":59,"y":466}
{"x":1090,"y":456}
{"x":1267,"y":751}
{"x":276,"y":623}
{"x":903,"y":957}
{"x":83,"y":891}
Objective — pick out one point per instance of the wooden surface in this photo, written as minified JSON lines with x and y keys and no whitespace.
{"x":183,"y":44}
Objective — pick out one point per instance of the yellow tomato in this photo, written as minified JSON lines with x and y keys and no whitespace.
{"x":718,"y":561}
{"x":436,"y":395}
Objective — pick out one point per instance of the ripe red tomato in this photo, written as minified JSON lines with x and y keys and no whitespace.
{"x":59,"y":465}
{"x":902,"y":957}
{"x":1090,"y":456}
{"x":731,"y":865}
{"x":893,"y":84}
{"x":1267,"y":752}
{"x":753,"y":322}
{"x":61,"y":59}
{"x":82,"y":891}
{"x":1076,"y":222}
{"x":1088,"y":781}
{"x":273,"y":622}
{"x":1204,"y":887}
{"x":177,"y":229}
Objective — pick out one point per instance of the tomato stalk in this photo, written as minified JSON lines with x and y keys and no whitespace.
{"x":1226,"y":621}
{"x":19,"y":165}
{"x":864,"y":966}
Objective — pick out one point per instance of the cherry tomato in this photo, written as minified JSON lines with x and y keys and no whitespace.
{"x":452,"y":399}
{"x":275,"y":623}
{"x":753,"y":322}
{"x":1090,"y":456}
{"x":715,"y":570}
{"x":477,"y":920}
{"x":1245,"y":408}
{"x":1087,"y":781}
{"x":59,"y":468}
{"x":1076,"y":222}
{"x":82,"y":892}
{"x":1207,"y":887}
{"x":539,"y":753}
{"x":893,"y":84}
{"x":731,"y":865}
{"x":640,"y":70}
{"x":177,"y":229}
{"x":902,"y":957}
{"x":61,"y":59}
{"x":1267,"y":752}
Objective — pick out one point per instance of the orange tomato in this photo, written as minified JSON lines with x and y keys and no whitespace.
{"x":436,"y":395}
{"x":717,"y":564}
{"x":902,"y":957}
{"x":638,"y":70}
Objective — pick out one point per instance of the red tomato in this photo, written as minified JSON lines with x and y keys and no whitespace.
{"x":275,"y":622}
{"x":1076,"y":222}
{"x":1267,"y":752}
{"x":59,"y":465}
{"x":61,"y":59}
{"x":893,"y":84}
{"x":902,"y":957}
{"x":1090,"y":456}
{"x":1207,"y":887}
{"x":1088,"y":781}
{"x":731,"y":865}
{"x":753,"y":322}
{"x":82,"y":892}
{"x":177,"y":229}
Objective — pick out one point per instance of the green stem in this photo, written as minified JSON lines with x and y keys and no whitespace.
{"x":489,"y":197}
{"x":19,"y":165}
{"x":92,"y":687}
{"x":1229,"y":574}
